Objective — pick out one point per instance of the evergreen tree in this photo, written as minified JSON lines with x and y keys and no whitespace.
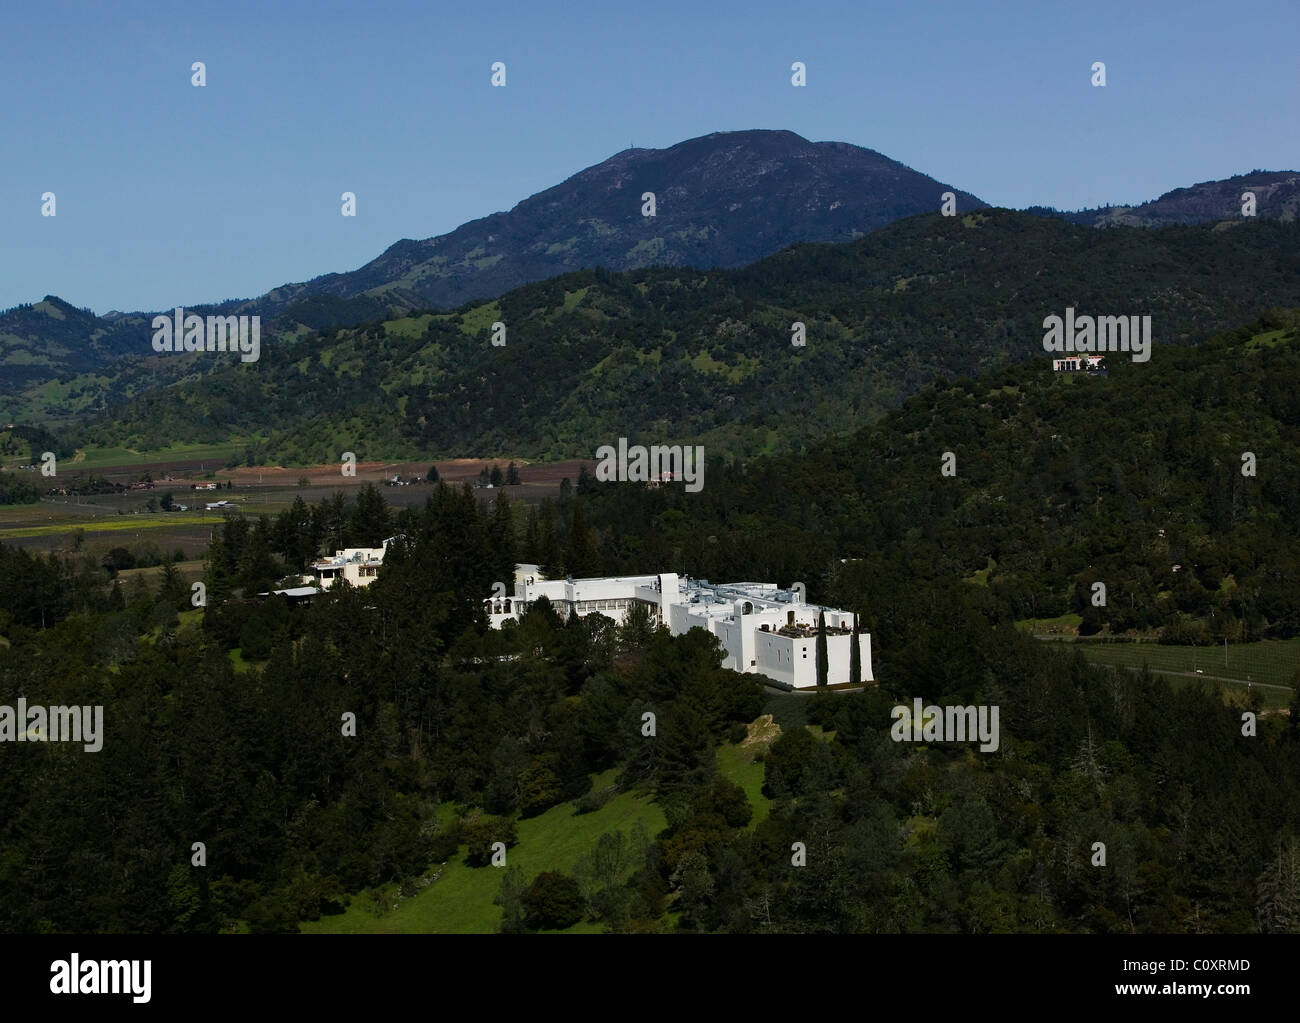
{"x":171,"y":588}
{"x":855,"y":656}
{"x":432,"y":475}
{"x":370,"y":523}
{"x":512,"y":475}
{"x":511,"y":900}
{"x":501,"y":536}
{"x":823,"y":660}
{"x":532,"y":534}
{"x":548,"y":556}
{"x":580,"y":557}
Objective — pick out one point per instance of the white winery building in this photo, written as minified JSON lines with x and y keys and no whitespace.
{"x":358,"y":565}
{"x":763,"y":629}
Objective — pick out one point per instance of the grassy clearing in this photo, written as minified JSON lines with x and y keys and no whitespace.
{"x":1267,"y":339}
{"x":572,"y":298}
{"x":460,"y":901}
{"x":1064,"y":623}
{"x":189,"y":571}
{"x":408,"y":326}
{"x":480,"y":318}
{"x":240,"y":665}
{"x":97,"y":458}
{"x":738,"y":765}
{"x":981,"y":577}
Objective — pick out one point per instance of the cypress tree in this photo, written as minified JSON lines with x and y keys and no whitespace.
{"x":823,"y":660}
{"x":855,"y":658}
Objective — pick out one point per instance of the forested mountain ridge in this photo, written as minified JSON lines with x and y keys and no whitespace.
{"x":59,"y":364}
{"x":705,"y":357}
{"x":1139,"y":479}
{"x":721,"y":200}
{"x":1276,"y":196}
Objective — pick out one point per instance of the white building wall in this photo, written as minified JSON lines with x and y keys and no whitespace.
{"x":737,"y":623}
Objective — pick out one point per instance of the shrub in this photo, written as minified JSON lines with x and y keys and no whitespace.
{"x":596,"y":798}
{"x":553,"y":902}
{"x":481,"y":834}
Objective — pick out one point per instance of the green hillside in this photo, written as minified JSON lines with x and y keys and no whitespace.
{"x":1133,"y":479}
{"x":705,"y":357}
{"x":461,"y":899}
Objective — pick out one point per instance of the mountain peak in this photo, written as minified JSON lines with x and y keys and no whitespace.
{"x":719,"y":200}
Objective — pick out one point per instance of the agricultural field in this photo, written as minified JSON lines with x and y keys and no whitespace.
{"x":63,"y":523}
{"x":1271,"y":665}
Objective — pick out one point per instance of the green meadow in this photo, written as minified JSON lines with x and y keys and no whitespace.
{"x":97,"y":458}
{"x":460,"y":901}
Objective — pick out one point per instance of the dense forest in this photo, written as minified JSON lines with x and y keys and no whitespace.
{"x":226,"y":724}
{"x":247,"y":756}
{"x":674,"y":355}
{"x":1135,"y":478}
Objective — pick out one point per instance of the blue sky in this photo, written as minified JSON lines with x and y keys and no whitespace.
{"x":172,"y":194}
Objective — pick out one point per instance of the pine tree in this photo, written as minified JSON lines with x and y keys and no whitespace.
{"x":171,"y":587}
{"x":370,"y":522}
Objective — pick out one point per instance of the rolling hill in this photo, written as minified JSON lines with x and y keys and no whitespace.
{"x":705,"y":357}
